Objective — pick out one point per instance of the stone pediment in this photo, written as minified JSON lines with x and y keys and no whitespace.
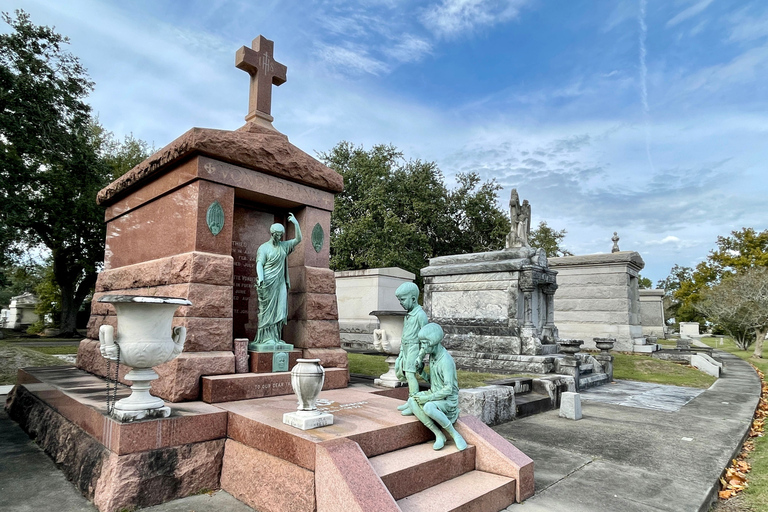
{"x":252,"y":146}
{"x":24,"y":300}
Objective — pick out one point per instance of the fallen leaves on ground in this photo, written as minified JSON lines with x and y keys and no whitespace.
{"x":734,"y":480}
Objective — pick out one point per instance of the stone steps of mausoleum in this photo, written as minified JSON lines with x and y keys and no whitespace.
{"x":473,"y":491}
{"x":586,"y":368}
{"x":416,"y":468}
{"x":531,"y":403}
{"x":592,"y":380}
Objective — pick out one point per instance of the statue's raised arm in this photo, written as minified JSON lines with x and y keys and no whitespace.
{"x":295,"y":223}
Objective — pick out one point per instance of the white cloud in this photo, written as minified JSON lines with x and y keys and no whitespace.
{"x":352,"y":59}
{"x":690,"y":12}
{"x":451,"y":17}
{"x":669,"y":239}
{"x":747,"y":26}
{"x":409,"y":49}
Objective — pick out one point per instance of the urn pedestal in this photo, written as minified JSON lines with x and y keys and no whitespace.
{"x":146,"y":339}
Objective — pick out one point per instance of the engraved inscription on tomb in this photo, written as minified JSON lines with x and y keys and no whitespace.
{"x":250,"y":230}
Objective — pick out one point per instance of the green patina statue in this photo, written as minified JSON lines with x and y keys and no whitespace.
{"x":272,"y":287}
{"x":407,"y":363}
{"x":441,"y":403}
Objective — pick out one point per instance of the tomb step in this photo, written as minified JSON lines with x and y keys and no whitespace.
{"x":473,"y":491}
{"x":521,"y":384}
{"x":645,"y":349}
{"x":531,"y":403}
{"x":592,"y":380}
{"x":416,"y":468}
{"x":586,"y":368}
{"x":548,"y":349}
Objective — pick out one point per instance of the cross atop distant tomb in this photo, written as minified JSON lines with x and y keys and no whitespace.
{"x":259,"y":62}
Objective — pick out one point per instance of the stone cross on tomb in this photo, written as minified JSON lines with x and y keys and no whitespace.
{"x":258,"y":61}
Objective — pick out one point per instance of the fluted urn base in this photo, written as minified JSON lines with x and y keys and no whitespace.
{"x":140,"y":405}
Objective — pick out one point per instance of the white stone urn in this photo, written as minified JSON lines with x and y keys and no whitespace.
{"x":307,"y":379}
{"x":146,"y":339}
{"x":387,"y":339}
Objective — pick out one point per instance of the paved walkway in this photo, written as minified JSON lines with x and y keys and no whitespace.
{"x":629,"y":453}
{"x":622,"y":456}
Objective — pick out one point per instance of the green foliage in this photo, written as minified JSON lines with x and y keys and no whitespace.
{"x":549,"y":239}
{"x":397,"y":212}
{"x":48,"y":296}
{"x":18,"y":278}
{"x":52,"y":161}
{"x":644,"y":283}
{"x":739,"y":304}
{"x":742,"y":250}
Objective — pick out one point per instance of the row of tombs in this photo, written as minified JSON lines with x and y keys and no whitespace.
{"x":184,"y":229}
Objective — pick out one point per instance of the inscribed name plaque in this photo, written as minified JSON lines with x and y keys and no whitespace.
{"x":250,"y":229}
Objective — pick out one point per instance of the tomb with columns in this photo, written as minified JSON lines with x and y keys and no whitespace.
{"x":498,"y":308}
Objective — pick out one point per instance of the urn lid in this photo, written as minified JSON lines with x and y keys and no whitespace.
{"x":144,"y":299}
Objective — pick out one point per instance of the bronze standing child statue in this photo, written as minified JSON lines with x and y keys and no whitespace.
{"x":273,"y":284}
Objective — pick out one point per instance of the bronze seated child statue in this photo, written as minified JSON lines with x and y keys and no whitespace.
{"x":439,"y":406}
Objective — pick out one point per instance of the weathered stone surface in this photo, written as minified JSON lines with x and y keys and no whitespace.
{"x":251,"y":476}
{"x":345,"y":480}
{"x":490,"y":404}
{"x":149,"y":478}
{"x":312,"y":333}
{"x":475,"y":342}
{"x":208,"y":300}
{"x":706,"y":364}
{"x":329,"y":357}
{"x":312,"y":280}
{"x":498,"y":456}
{"x":191,"y":267}
{"x":203,"y":334}
{"x":570,"y":406}
{"x":503,"y":363}
{"x":628,"y":257}
{"x":312,"y":306}
{"x":256,"y":148}
{"x":114,"y":481}
{"x":179,"y":379}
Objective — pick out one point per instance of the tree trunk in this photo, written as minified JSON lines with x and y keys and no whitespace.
{"x":75,"y":285}
{"x":759,"y":338}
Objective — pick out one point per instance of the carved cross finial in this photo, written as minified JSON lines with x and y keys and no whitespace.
{"x":615,"y":240}
{"x":259,"y":62}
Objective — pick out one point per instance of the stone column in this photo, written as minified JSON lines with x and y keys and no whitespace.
{"x":528,"y":287}
{"x":550,"y":331}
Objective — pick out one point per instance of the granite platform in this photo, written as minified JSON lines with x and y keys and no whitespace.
{"x":371,"y":458}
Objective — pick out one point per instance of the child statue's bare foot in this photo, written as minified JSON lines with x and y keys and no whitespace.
{"x":402,"y":407}
{"x":407,"y":412}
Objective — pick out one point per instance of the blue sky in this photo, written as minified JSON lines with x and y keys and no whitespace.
{"x":645,"y":117}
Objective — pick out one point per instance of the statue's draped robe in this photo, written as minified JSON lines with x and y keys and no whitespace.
{"x":273,"y":293}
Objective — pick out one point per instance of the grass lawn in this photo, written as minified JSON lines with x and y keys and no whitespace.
{"x":374,"y":365}
{"x":13,"y":357}
{"x":55,"y":350}
{"x":756,"y":495}
{"x":648,"y":369}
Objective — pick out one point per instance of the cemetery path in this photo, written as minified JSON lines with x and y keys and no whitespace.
{"x":630,"y":454}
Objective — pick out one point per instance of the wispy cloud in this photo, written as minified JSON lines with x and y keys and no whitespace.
{"x":352,"y":59}
{"x":452,"y":17}
{"x":644,"y":82}
{"x":690,"y":12}
{"x":409,"y":49}
{"x":747,"y":25}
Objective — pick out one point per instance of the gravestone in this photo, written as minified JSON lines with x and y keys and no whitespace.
{"x":187,"y":222}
